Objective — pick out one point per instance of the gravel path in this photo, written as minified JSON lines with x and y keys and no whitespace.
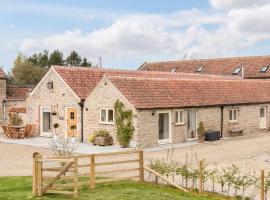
{"x":16,"y":160}
{"x":246,"y":152}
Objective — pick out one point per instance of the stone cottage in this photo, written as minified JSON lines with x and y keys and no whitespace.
{"x":167,"y":106}
{"x":12,"y":98}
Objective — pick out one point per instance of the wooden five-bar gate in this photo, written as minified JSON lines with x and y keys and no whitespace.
{"x":65,"y":175}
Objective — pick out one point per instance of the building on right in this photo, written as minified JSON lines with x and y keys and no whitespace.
{"x":249,"y":67}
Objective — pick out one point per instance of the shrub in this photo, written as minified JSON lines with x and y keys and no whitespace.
{"x":201,"y":130}
{"x":55,"y":126}
{"x":15,"y":119}
{"x":124,"y":127}
{"x":62,"y":146}
{"x":99,"y":133}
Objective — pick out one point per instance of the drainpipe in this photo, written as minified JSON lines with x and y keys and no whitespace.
{"x":81,"y":104}
{"x":221,"y":121}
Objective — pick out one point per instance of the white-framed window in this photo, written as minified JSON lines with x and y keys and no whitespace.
{"x":233,"y":115}
{"x":179,"y":117}
{"x":107,"y":115}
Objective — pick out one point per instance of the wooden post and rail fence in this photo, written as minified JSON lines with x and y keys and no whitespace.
{"x":69,"y":172}
{"x":72,"y":179}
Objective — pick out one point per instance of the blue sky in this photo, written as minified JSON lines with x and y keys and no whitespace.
{"x":125,"y":33}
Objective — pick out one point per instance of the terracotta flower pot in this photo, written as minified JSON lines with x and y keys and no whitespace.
{"x":201,"y":139}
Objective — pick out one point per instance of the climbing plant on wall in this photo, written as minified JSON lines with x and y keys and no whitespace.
{"x":123,"y":122}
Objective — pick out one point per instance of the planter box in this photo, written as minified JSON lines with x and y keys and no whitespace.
{"x":103,"y":141}
{"x":212,"y":135}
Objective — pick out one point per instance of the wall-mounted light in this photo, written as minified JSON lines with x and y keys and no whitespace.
{"x":153,"y":113}
{"x":50,"y":85}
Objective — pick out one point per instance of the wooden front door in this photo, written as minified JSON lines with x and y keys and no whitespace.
{"x":71,"y":121}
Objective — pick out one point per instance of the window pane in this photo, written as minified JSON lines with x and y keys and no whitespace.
{"x":231,"y":117}
{"x":103,"y":115}
{"x":262,"y":112}
{"x":72,"y":116}
{"x":176,"y":117}
{"x":181,"y":116}
{"x":110,"y":115}
{"x":234,"y":114}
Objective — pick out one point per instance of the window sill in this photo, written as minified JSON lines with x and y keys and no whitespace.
{"x":233,"y":122}
{"x":180,"y":124}
{"x":106,"y":123}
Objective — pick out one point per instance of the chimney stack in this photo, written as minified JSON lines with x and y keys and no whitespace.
{"x":99,"y":62}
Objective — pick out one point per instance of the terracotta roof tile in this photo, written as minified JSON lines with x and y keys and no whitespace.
{"x":219,"y":66}
{"x":17,"y":109}
{"x":82,"y":80}
{"x":175,"y":93}
{"x":18,"y":91}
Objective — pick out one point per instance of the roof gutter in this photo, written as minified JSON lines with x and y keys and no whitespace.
{"x":205,"y":106}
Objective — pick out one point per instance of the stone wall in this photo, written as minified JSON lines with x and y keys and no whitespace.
{"x":3,"y":89}
{"x":104,"y":95}
{"x":248,"y":120}
{"x":58,"y":98}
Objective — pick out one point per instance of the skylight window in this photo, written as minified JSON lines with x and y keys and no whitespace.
{"x":200,"y":68}
{"x":264,"y":69}
{"x":237,"y":70}
{"x":173,"y":70}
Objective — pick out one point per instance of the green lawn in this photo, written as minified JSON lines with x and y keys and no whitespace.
{"x":19,"y":188}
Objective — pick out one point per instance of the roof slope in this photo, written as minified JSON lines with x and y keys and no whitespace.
{"x":18,"y":91}
{"x":175,"y":93}
{"x":82,"y":80}
{"x":219,"y":66}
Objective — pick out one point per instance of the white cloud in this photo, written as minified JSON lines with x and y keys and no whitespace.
{"x":153,"y":36}
{"x":228,"y":4}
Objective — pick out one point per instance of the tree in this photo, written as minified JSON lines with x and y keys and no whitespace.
{"x":86,"y":63}
{"x":73,"y":59}
{"x":56,"y":58}
{"x":40,"y":59}
{"x":25,"y":72}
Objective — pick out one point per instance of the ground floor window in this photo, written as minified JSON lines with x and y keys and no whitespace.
{"x":233,"y":115}
{"x":107,"y":115}
{"x":164,"y":126}
{"x":46,"y":120}
{"x":192,"y":124}
{"x":179,"y":118}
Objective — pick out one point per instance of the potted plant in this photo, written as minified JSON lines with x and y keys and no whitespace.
{"x":15,"y":119}
{"x":201,"y":132}
{"x":101,"y":138}
{"x":55,"y":126}
{"x":73,"y":128}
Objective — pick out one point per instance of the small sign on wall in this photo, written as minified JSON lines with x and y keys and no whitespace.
{"x":61,"y":118}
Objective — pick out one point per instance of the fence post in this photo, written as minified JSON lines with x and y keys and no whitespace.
{"x":92,"y":172}
{"x":75,"y":177}
{"x":141,"y":169}
{"x":35,"y":174}
{"x":262,"y":184}
{"x":200,"y":176}
{"x":39,"y":175}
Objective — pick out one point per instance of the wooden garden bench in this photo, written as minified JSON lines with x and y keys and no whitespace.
{"x":236,"y":132}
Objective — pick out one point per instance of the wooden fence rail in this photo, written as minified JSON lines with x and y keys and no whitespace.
{"x":69,"y":169}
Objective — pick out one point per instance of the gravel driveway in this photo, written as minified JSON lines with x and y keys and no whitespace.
{"x":254,"y":152}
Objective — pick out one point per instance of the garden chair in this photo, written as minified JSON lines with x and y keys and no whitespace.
{"x":10,"y":132}
{"x":29,"y":130}
{"x":5,"y":129}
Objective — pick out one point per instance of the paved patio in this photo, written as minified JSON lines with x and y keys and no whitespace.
{"x":43,"y":142}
